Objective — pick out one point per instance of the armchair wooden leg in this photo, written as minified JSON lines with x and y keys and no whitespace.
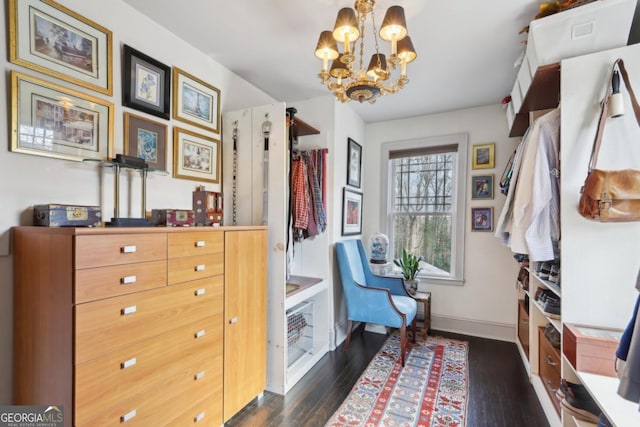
{"x":403,"y":342}
{"x":349,"y":326}
{"x":413,"y":329}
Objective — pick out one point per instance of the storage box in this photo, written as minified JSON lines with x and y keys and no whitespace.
{"x":172,"y":217}
{"x":593,"y":27}
{"x":207,"y":207}
{"x":591,"y":349}
{"x":52,"y":215}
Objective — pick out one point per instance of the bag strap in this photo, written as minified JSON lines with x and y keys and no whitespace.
{"x":597,"y":142}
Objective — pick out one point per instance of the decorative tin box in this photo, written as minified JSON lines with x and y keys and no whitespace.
{"x":67,"y":216}
{"x":172,"y":217}
{"x":207,"y":206}
{"x":590,"y":349}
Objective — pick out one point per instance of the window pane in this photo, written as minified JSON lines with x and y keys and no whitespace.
{"x":428,"y":236}
{"x":423,"y":183}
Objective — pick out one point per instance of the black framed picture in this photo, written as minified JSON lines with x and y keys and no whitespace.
{"x":146,"y":83}
{"x":354,"y":163}
{"x":351,"y":212}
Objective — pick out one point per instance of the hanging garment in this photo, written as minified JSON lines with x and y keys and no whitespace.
{"x":299,"y":193}
{"x":629,"y":387}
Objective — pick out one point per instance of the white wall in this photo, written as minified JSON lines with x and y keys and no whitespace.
{"x":486,"y":304}
{"x":26,"y":180}
{"x":600,"y":262}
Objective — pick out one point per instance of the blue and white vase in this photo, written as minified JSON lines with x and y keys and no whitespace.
{"x":378,"y":248}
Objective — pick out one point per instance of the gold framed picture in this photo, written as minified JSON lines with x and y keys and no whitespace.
{"x":195,"y":101}
{"x":49,"y":38}
{"x":483,"y":156}
{"x":55,"y":121}
{"x":195,"y":156}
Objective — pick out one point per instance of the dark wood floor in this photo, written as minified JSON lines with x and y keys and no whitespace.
{"x":500,"y":394}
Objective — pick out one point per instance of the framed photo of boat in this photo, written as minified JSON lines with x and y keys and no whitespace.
{"x":47,"y":37}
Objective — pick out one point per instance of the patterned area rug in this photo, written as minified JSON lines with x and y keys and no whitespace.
{"x":431,"y":389}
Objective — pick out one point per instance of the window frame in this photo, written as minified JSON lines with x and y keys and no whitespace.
{"x":461,"y":140}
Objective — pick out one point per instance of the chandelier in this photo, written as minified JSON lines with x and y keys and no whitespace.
{"x":347,"y":78}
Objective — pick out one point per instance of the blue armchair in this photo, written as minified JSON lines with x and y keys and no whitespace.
{"x":371,"y":298}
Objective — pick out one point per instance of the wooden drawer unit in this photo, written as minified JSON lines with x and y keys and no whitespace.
{"x":116,"y":249}
{"x":205,"y":413}
{"x":523,"y":326}
{"x":121,"y":375}
{"x":195,"y":243}
{"x":104,"y":282}
{"x":113,"y":323}
{"x":195,"y":267}
{"x":549,"y":360}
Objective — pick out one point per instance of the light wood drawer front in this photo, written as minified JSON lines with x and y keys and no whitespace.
{"x":161,"y":403}
{"x":103,"y":250}
{"x":110,"y":324}
{"x":104,"y":282}
{"x":121,"y":375}
{"x":195,"y":243}
{"x":206,"y":413}
{"x":195,"y":267}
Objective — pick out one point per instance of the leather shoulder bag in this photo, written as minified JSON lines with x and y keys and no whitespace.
{"x":611,"y":195}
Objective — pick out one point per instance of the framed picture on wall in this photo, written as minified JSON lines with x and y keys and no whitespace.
{"x":146,"y":83}
{"x":195,"y":156}
{"x":51,"y":39}
{"x":354,"y":163}
{"x":482,"y":187}
{"x":481,"y":219}
{"x":351,"y":212}
{"x":483,"y":156}
{"x":55,"y":121}
{"x":195,"y":101}
{"x":146,"y":139}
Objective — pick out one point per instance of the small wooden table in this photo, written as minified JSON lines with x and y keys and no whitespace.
{"x":425,"y":299}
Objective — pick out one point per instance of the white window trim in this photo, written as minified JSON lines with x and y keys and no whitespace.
{"x":460,"y":173}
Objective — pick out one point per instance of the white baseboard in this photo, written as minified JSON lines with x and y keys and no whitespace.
{"x":476,"y":328}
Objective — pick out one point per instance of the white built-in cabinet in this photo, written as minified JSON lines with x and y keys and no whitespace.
{"x":298,"y":303}
{"x":599,"y":262}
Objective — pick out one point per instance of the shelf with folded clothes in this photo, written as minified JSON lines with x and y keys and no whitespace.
{"x":552,"y":285}
{"x":548,"y":303}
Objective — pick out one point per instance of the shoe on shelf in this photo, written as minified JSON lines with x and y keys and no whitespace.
{"x":580,"y":405}
{"x":554,"y":273}
{"x":603,"y":421}
{"x":544,"y":271}
{"x":552,"y":334}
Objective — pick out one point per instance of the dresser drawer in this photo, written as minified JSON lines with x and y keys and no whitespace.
{"x":121,"y":375}
{"x":206,"y":413}
{"x":195,"y":243}
{"x":103,"y":250}
{"x":113,"y":323}
{"x":104,"y":282}
{"x":159,"y":404}
{"x":549,"y":367}
{"x":195,"y":267}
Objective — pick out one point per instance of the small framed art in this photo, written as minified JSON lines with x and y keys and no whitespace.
{"x":146,"y":83}
{"x":482,"y":187}
{"x":195,"y":101}
{"x":195,"y":156}
{"x":481,"y":219}
{"x":354,"y":163}
{"x":55,"y":121}
{"x":49,"y":38}
{"x":146,"y":139}
{"x":483,"y":156}
{"x":351,"y":212}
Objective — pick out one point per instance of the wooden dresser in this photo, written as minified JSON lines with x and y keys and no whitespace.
{"x":140,"y":326}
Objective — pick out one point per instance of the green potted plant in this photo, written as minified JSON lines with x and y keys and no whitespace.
{"x":410,"y":266}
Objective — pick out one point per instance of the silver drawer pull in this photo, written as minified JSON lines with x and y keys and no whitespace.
{"x":199,"y":375}
{"x":233,"y":320}
{"x":198,"y":417}
{"x":550,"y":361}
{"x":200,"y":267}
{"x":129,"y":310}
{"x":129,"y":249}
{"x":128,"y":363}
{"x":200,"y":244}
{"x":200,"y":333}
{"x":200,"y":291}
{"x":129,"y":280}
{"x":126,"y":417}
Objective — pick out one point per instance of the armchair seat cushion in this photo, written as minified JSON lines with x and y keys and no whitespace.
{"x":405,"y":305}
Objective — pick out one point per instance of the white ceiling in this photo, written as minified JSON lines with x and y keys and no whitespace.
{"x":466,"y":48}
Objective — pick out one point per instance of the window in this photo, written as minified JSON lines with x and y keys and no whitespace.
{"x":424,"y":202}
